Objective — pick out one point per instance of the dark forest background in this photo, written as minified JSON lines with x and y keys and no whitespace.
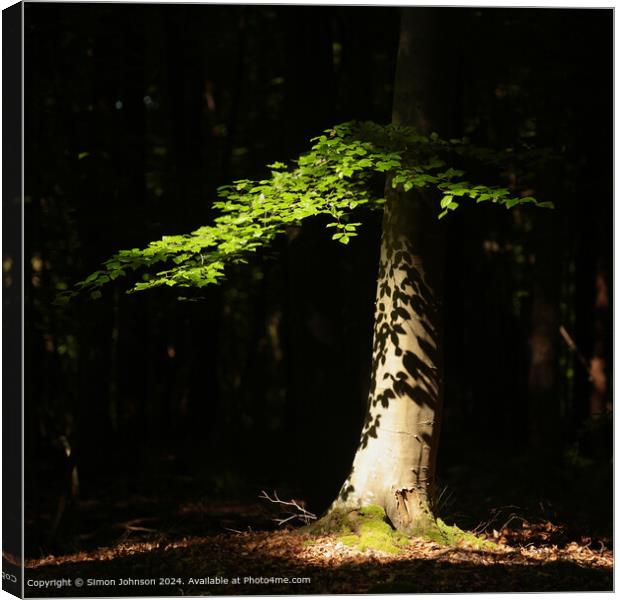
{"x":134,"y":114}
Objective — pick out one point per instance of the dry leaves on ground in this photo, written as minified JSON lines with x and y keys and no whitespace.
{"x":329,"y":566}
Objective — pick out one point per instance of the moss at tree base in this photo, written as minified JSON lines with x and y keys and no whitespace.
{"x":451,"y":535}
{"x":367,"y":528}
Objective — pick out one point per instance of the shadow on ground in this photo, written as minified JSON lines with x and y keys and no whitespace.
{"x":177,"y":568}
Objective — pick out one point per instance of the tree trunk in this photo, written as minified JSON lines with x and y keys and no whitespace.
{"x":544,"y":413}
{"x":598,"y":362}
{"x":394,"y":466}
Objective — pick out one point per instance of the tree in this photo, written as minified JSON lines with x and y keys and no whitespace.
{"x":395,"y":464}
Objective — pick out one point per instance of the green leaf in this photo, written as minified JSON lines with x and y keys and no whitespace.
{"x":92,"y":277}
{"x":116,"y":273}
{"x":96,"y":295}
{"x":445,"y":201}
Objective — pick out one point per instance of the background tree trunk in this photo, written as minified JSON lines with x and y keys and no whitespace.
{"x":599,"y":362}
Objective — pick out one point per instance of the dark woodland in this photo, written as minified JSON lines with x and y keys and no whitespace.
{"x":154,"y":425}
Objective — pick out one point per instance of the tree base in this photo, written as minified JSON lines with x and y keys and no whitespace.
{"x":364,"y":528}
{"x":367,"y":528}
{"x":410,"y":512}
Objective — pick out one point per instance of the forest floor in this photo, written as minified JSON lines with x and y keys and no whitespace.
{"x":186,"y":531}
{"x":211,"y":546}
{"x":224,"y":564}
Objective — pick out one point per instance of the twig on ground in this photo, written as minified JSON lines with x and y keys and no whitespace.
{"x":299,"y":512}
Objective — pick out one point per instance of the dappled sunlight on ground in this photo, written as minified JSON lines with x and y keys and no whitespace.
{"x":330,"y":566}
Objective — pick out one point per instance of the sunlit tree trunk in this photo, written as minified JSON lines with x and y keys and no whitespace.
{"x":394,"y":466}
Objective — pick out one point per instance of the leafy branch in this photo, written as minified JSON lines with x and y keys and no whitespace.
{"x":334,"y":178}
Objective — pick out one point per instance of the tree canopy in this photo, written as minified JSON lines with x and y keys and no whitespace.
{"x":338,"y":175}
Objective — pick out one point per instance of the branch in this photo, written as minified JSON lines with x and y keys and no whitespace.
{"x":573,"y":346}
{"x":299,"y":512}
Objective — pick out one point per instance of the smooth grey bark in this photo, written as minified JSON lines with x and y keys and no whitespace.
{"x":394,"y":466}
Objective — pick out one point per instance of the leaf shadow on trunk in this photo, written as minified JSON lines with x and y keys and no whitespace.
{"x":406,"y":334}
{"x":412,"y":301}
